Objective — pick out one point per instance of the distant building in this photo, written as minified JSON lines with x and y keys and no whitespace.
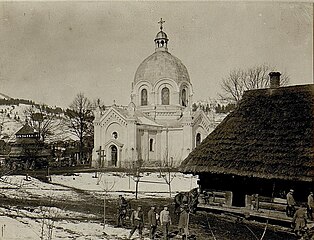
{"x":265,"y":146}
{"x":28,"y":151}
{"x":158,"y":126}
{"x":4,"y":151}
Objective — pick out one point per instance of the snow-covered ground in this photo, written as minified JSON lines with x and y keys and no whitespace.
{"x":21,"y":224}
{"x":150,"y":185}
{"x":19,"y":187}
{"x":33,"y":228}
{"x":33,"y":222}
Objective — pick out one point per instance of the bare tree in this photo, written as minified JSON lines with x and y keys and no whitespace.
{"x":46,"y":123}
{"x":240,"y":80}
{"x":80,"y":119}
{"x":136,"y":175}
{"x":106,"y":186}
{"x":48,"y":219}
{"x":166,"y":171}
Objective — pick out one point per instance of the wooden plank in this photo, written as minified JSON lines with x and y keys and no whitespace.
{"x":274,"y":215}
{"x":215,"y":193}
{"x":273,"y":206}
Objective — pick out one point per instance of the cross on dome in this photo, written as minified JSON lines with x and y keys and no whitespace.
{"x":161,"y":22}
{"x":161,"y":39}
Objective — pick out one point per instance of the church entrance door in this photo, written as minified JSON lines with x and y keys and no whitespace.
{"x":114,"y":155}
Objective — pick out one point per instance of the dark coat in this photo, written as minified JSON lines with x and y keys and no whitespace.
{"x":152,"y":217}
{"x":183,"y":220}
{"x":299,"y":219}
{"x":123,"y":204}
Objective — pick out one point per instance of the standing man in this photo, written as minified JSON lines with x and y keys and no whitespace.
{"x":152,"y":221}
{"x":137,"y":222}
{"x":122,"y":210}
{"x":165,"y":221}
{"x":290,"y":209}
{"x":183,"y":222}
{"x":310,"y":206}
{"x":299,"y":221}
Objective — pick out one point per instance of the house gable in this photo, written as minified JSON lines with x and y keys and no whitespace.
{"x":200,"y":119}
{"x":113,"y":115}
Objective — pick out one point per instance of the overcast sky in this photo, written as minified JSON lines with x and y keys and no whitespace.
{"x":49,"y":52}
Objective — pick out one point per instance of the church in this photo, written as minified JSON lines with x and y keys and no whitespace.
{"x":158,"y":127}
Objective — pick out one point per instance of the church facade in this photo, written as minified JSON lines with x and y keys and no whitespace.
{"x":158,"y":126}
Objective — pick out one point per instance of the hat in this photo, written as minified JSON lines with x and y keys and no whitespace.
{"x":291,"y":190}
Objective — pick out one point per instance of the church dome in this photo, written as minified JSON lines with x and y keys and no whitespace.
{"x":160,"y":65}
{"x":161,"y":35}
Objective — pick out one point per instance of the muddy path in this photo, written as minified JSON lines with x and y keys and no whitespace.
{"x":203,"y":225}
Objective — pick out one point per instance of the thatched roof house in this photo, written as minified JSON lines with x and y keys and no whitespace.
{"x":265,"y":146}
{"x":269,"y":135}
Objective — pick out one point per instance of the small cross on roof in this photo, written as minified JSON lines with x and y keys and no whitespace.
{"x":161,"y":22}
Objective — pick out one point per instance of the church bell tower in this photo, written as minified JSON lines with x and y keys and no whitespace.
{"x":161,"y":39}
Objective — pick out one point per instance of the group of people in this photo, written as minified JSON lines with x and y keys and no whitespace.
{"x":153,"y":220}
{"x":137,"y":221}
{"x":299,"y":216}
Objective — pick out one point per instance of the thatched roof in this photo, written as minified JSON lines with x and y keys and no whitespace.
{"x":269,"y":135}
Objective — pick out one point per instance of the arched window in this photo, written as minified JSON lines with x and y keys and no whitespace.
{"x":143,"y":97}
{"x":183,"y":98}
{"x":151,"y":145}
{"x":115,"y":135}
{"x":165,"y":96}
{"x":198,"y":139}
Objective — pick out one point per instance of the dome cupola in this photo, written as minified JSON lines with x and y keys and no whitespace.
{"x":161,"y":39}
{"x":161,"y":82}
{"x":161,"y":64}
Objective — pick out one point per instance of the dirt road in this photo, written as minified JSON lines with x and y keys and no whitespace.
{"x":203,"y":225}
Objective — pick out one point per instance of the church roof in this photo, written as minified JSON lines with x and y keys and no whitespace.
{"x":146,"y":121}
{"x":138,"y":115}
{"x":26,"y":129}
{"x":161,"y":65}
{"x":269,"y":135}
